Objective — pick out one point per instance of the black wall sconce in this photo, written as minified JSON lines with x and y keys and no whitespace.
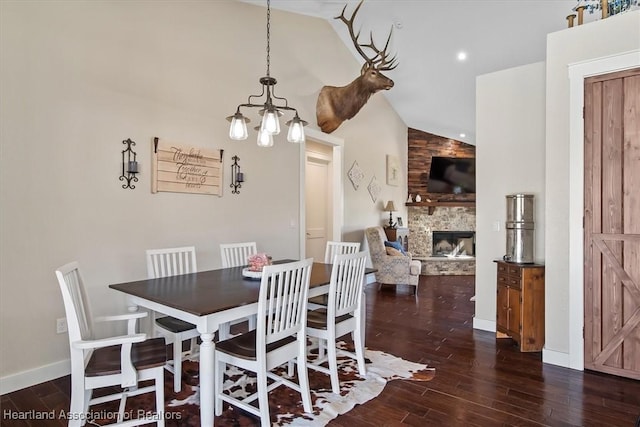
{"x":237,"y":177}
{"x":129,"y":165}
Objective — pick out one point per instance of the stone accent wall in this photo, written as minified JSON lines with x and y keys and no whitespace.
{"x":422,"y":146}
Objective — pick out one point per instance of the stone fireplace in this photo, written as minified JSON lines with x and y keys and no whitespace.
{"x":443,"y":239}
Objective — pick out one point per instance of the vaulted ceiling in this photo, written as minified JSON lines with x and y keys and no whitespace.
{"x":435,"y":91}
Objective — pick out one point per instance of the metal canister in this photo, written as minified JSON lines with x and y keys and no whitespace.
{"x":519,"y":227}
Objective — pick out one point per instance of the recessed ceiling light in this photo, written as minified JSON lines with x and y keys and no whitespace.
{"x":462,"y":56}
{"x":462,"y":135}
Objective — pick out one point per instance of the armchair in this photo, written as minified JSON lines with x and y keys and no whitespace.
{"x":392,"y":270}
{"x":123,"y":361}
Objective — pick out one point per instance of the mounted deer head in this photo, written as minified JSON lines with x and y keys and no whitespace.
{"x":337,"y":104}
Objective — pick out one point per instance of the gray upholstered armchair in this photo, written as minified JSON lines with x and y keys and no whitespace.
{"x":392,"y":270}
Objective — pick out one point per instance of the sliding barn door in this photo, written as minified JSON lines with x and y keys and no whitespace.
{"x":612,"y":224}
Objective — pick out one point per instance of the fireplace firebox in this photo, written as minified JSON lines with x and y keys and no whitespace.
{"x":454,"y":244}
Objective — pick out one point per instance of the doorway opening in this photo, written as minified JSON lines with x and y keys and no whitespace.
{"x":321,"y":198}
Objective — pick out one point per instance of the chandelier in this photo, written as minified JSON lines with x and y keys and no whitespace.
{"x":270,"y":111}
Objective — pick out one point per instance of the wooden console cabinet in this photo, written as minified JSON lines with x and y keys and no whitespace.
{"x":520,"y":304}
{"x":398,"y":234}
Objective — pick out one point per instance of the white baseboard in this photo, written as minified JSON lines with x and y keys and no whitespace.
{"x":35,"y":376}
{"x":557,"y":358}
{"x":484,"y":325}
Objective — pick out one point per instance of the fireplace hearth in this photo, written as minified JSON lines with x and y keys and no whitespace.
{"x":454,"y":244}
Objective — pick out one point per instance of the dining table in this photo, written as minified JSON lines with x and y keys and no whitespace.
{"x":208,"y":299}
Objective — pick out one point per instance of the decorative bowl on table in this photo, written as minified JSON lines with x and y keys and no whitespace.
{"x":252,"y":275}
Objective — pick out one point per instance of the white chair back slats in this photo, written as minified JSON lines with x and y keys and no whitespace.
{"x":282,"y":301}
{"x":171,"y":261}
{"x":236,"y":254}
{"x":339,"y":248}
{"x":79,"y":323}
{"x":347,"y":278}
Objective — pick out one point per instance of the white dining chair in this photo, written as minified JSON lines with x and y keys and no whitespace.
{"x":172,"y":262}
{"x":236,"y":255}
{"x":338,"y":248}
{"x":341,"y":316}
{"x":122,"y":361}
{"x":278,"y":338}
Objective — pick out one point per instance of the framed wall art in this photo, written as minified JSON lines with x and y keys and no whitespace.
{"x":393,"y":170}
{"x":184,"y":168}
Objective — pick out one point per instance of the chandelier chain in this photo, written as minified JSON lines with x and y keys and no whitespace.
{"x":268,"y":36}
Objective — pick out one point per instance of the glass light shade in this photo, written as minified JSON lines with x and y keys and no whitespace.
{"x":238,"y":128}
{"x":270,"y":122}
{"x":265,"y":139}
{"x":296,"y":132}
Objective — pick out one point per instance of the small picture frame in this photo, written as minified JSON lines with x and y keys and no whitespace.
{"x":400,"y":222}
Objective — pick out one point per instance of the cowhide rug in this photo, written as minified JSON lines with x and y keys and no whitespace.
{"x":285,"y":405}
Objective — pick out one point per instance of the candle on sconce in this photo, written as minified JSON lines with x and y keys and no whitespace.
{"x":133,"y":166}
{"x":240,"y":177}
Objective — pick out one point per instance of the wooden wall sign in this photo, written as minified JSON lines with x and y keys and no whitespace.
{"x":181,"y":168}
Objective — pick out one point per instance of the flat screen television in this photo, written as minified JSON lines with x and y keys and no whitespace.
{"x":452,"y":175}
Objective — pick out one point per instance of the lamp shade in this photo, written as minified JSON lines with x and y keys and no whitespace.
{"x":296,"y":130}
{"x":390,"y":207}
{"x":265,"y":139}
{"x":270,"y":122}
{"x":238,"y":128}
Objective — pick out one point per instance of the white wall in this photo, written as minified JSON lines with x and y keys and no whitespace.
{"x":77,"y":78}
{"x":611,"y":36}
{"x":509,"y":159}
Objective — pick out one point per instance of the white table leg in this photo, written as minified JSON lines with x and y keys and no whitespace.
{"x":207,"y":348}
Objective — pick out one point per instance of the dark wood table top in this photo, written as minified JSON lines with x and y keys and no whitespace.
{"x":211,"y":291}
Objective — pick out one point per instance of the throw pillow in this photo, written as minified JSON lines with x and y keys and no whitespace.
{"x":393,"y":251}
{"x":395,"y":245}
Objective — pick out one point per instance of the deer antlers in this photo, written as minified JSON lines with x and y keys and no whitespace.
{"x":379,"y":61}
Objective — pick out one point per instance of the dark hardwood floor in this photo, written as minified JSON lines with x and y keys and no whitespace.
{"x":480,"y":381}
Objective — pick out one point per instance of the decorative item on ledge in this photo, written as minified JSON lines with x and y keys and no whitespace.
{"x":608,"y":8}
{"x":580,"y":9}
{"x":391,"y":209}
{"x":129,"y":165}
{"x":237,"y":177}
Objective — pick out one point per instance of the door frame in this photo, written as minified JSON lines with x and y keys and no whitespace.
{"x":337,"y":215}
{"x":577,"y":73}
